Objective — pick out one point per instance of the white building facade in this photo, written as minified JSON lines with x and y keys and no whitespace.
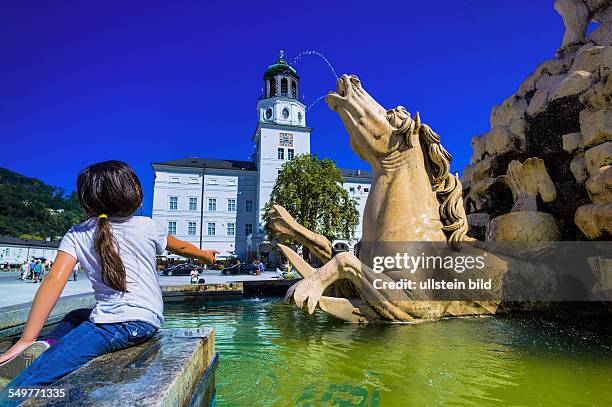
{"x":218,"y":204}
{"x":15,"y":251}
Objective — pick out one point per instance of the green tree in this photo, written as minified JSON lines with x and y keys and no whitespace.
{"x":32,"y":209}
{"x":311,"y":191}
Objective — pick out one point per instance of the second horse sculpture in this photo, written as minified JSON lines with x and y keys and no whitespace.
{"x":413,"y":198}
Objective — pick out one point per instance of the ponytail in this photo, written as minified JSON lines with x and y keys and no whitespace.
{"x":113,"y":270}
{"x":109,"y":187}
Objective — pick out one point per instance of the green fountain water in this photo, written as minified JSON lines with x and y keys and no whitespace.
{"x":274,"y":354}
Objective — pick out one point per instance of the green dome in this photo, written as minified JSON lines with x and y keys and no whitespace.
{"x":280,"y":67}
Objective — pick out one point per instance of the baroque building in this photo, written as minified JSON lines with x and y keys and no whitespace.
{"x":218,"y":203}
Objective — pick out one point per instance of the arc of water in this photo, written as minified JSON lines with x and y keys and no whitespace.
{"x":315,"y":102}
{"x":320,"y":55}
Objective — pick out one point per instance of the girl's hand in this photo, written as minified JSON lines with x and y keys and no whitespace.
{"x":208,"y":256}
{"x":15,"y":350}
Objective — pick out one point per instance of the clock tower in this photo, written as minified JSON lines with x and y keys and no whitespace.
{"x":281,"y":132}
{"x":280,"y":103}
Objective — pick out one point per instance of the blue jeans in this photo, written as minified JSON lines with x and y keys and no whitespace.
{"x":78,"y":342}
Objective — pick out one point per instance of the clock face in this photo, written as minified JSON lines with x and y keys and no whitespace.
{"x":268,"y":113}
{"x":285,"y":113}
{"x":285,"y":140}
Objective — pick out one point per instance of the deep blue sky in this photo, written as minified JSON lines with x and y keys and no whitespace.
{"x":152,"y":81}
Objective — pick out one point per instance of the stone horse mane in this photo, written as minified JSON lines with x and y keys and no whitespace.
{"x":447,"y":186}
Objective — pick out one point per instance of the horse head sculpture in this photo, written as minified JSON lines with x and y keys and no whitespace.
{"x":391,"y":141}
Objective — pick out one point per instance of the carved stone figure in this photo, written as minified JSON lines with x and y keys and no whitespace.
{"x":602,"y":269}
{"x":576,"y":15}
{"x":528,"y":180}
{"x":413,"y":198}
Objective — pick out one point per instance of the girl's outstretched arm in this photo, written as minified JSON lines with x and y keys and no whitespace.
{"x":44,"y":301}
{"x":188,"y":250}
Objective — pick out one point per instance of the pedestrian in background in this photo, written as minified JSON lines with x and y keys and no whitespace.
{"x":75,"y":272}
{"x":32,"y":269}
{"x":262,"y":268}
{"x":37,"y":268}
{"x":194,"y":276}
{"x":25,"y":270}
{"x":43,"y":268}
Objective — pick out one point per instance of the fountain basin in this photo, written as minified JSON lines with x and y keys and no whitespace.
{"x":275,"y":354}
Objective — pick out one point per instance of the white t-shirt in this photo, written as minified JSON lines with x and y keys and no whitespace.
{"x":139,"y":239}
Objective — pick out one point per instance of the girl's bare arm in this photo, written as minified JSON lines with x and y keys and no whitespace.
{"x":188,"y":250}
{"x":44,"y":301}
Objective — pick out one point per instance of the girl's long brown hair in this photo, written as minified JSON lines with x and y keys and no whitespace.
{"x":109,"y":188}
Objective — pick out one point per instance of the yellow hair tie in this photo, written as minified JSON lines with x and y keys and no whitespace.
{"x":103,"y":216}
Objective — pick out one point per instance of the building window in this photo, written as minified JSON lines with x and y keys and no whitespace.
{"x":281,"y":153}
{"x":284,"y":87}
{"x":249,"y":205}
{"x":193,"y":180}
{"x":174,"y":179}
{"x":366,"y":190}
{"x":231,"y":182}
{"x":212,"y":204}
{"x":352,"y":189}
{"x":248,"y":228}
{"x":294,"y":89}
{"x":231,"y":229}
{"x":193,"y":204}
{"x":272,"y":87}
{"x":231,"y":205}
{"x":173,"y":204}
{"x":172,"y":228}
{"x":191,"y":228}
{"x":212,"y":181}
{"x":212,"y":228}
{"x":290,"y":154}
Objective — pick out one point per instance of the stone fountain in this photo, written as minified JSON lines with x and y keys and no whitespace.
{"x":541,"y":175}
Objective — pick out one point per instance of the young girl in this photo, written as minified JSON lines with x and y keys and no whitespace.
{"x":117,"y":250}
